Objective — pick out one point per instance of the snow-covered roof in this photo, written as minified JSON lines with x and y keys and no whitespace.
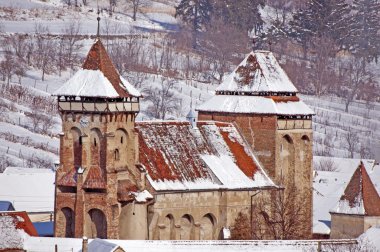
{"x":361,"y":197}
{"x":99,"y":245}
{"x":97,"y":78}
{"x":30,"y":192}
{"x":211,"y":156}
{"x":258,"y":72}
{"x":254,"y":105}
{"x":371,"y":239}
{"x":329,"y":186}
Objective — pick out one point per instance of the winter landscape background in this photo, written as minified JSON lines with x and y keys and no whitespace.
{"x":43,"y":43}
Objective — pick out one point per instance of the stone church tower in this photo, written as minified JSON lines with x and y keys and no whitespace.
{"x":98,"y":109}
{"x":261,"y":101}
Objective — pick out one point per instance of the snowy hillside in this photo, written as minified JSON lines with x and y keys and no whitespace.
{"x":29,"y":139}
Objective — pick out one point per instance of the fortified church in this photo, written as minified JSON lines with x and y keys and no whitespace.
{"x":182,"y":180}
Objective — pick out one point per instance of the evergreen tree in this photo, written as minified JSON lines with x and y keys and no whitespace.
{"x":243,"y":14}
{"x":242,"y":228}
{"x":365,"y":37}
{"x":321,"y":18}
{"x":196,"y":14}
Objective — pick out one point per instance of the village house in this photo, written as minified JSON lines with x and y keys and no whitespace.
{"x":180,"y":180}
{"x":358,"y":208}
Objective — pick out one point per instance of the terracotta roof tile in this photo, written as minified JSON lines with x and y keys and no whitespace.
{"x":68,"y":179}
{"x":22,"y":221}
{"x":361,"y":186}
{"x":98,"y":59}
{"x":94,"y":179}
{"x":174,"y":151}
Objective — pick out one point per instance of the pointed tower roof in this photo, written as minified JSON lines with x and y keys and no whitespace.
{"x":98,"y":78}
{"x":257,"y":86}
{"x":360,"y":196}
{"x":258,"y":72}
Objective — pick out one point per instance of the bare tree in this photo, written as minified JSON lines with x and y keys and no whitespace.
{"x":281,"y":218}
{"x":163,"y":100}
{"x":72,"y":41}
{"x":7,"y":66}
{"x":352,"y":142}
{"x":45,"y":50}
{"x":327,"y":164}
{"x":356,"y":78}
{"x":136,"y":4}
{"x":322,"y":71}
{"x":224,"y":44}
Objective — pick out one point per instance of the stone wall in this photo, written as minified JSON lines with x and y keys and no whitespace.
{"x":197,"y":215}
{"x":106,"y":142}
{"x":345,"y":226}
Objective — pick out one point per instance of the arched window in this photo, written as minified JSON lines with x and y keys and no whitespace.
{"x":97,"y":224}
{"x":96,"y":148}
{"x":168,"y":233}
{"x":207,"y":227}
{"x":187,"y":223}
{"x":288,"y":160}
{"x":69,"y":221}
{"x":117,"y":157}
{"x":76,"y":137}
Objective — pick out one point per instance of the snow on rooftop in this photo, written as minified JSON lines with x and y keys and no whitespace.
{"x":371,"y":238}
{"x":23,"y":170}
{"x":129,"y":87}
{"x":10,"y":236}
{"x":329,"y":186}
{"x":258,"y":72}
{"x":142,"y":197}
{"x":180,"y":157}
{"x":254,"y":105}
{"x":88,"y":83}
{"x":30,"y":192}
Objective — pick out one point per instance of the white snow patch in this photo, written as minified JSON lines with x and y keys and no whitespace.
{"x":253,"y":104}
{"x":269,"y":76}
{"x":143,"y":196}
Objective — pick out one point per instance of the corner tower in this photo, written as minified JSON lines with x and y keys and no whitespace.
{"x":98,"y":148}
{"x":259,"y":98}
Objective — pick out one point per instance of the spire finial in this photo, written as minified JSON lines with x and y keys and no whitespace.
{"x":98,"y":18}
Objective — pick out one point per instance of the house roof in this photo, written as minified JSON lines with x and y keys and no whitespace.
{"x":258,"y":72}
{"x":99,"y":245}
{"x":6,"y":206}
{"x":254,"y":105}
{"x":211,"y":156}
{"x":329,"y":186}
{"x":26,"y":192}
{"x":21,"y":221}
{"x":97,"y":78}
{"x":360,"y":196}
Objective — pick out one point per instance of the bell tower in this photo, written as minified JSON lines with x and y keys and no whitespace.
{"x":98,"y":148}
{"x":262,"y":102}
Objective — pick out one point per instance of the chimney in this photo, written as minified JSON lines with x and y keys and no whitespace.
{"x":85,"y":244}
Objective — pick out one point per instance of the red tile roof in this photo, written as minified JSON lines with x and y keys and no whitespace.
{"x":98,"y":59}
{"x":124,"y":190}
{"x":22,"y":221}
{"x":174,"y":151}
{"x":94,"y":179}
{"x":361,"y":186}
{"x":68,"y":179}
